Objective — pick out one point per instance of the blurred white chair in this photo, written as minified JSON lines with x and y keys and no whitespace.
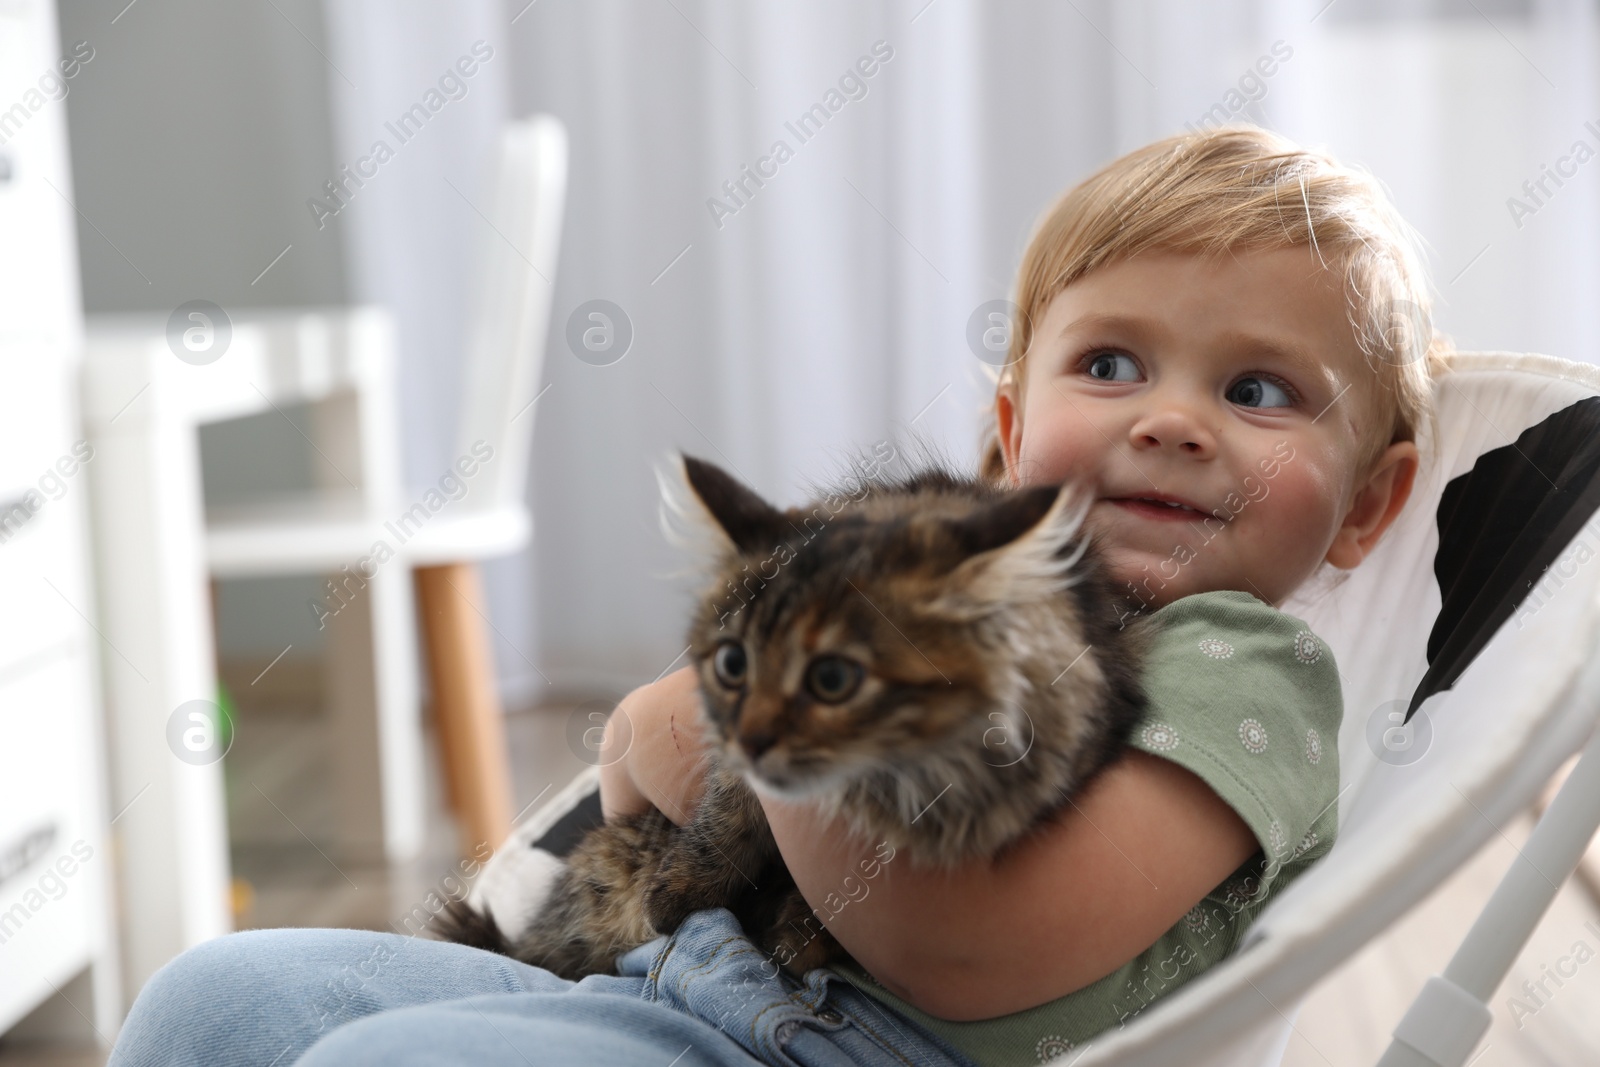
{"x":371,"y":538}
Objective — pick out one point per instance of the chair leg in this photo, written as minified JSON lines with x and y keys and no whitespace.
{"x":371,"y":686}
{"x":466,"y":703}
{"x":1588,"y":872}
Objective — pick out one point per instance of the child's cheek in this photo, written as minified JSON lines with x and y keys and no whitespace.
{"x":1303,"y":498}
{"x":1057,"y":445}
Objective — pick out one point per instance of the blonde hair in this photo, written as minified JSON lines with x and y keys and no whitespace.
{"x":1240,"y":187}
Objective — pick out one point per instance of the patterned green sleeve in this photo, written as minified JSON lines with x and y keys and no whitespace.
{"x":1248,"y":698}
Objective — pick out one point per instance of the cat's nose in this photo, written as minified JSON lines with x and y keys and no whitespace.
{"x":755,"y":742}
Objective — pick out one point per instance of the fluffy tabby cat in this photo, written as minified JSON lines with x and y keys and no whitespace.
{"x":898,"y":652}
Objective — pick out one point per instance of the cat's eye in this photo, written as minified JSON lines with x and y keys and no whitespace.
{"x":1254,"y":392}
{"x":833,"y":679}
{"x":730,"y":663}
{"x":1112,"y":367}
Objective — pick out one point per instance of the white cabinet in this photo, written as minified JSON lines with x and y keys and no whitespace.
{"x":39,"y":299}
{"x":55,"y":861}
{"x":43,"y":491}
{"x":58,"y":960}
{"x":53,"y":856}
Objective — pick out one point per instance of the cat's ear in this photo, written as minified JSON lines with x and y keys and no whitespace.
{"x":1004,"y":521}
{"x":703,"y":505}
{"x":1021,"y":547}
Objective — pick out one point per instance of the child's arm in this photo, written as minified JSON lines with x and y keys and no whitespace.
{"x":1145,"y":842}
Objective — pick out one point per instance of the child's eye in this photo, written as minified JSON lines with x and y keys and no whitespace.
{"x":1259,"y":393}
{"x":1112,"y":367}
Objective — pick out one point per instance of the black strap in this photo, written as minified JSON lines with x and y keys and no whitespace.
{"x":1501,"y":527}
{"x":568,"y":830}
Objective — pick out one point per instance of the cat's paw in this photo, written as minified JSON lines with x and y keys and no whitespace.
{"x":673,"y":895}
{"x":665,"y":907}
{"x":517,"y":885}
{"x":820,"y":951}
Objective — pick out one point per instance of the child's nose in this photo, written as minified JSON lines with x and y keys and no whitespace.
{"x":1174,"y":426}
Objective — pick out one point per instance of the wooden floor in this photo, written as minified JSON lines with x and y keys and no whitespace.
{"x":286,"y":880}
{"x":294,"y":884}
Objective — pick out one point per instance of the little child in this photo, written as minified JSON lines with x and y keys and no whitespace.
{"x":1228,"y":338}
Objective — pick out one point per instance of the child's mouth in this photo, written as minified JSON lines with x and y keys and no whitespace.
{"x":1160,"y":510}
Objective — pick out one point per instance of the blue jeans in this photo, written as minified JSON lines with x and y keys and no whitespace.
{"x":319,"y":998}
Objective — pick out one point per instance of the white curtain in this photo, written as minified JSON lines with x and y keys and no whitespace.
{"x":829,"y":309}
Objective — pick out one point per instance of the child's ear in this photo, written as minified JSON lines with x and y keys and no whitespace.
{"x":1008,"y":424}
{"x":1376,"y":505}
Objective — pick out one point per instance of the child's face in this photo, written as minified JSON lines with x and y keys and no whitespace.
{"x":1233,"y":385}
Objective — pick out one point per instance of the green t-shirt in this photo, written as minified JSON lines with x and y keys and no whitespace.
{"x":1247,"y":698}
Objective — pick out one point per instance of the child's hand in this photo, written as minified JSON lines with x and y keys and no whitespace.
{"x":653,"y":752}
